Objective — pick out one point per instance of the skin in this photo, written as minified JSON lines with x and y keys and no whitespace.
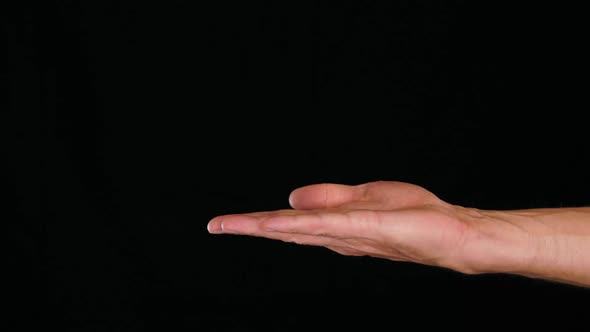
{"x":405,"y":222}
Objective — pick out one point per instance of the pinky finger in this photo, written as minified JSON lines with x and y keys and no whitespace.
{"x":346,"y":251}
{"x":302,"y":239}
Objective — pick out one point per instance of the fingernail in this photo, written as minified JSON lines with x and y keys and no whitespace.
{"x":230,"y":228}
{"x":242,"y":225}
{"x":214,"y":227}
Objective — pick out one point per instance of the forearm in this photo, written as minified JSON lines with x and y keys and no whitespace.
{"x":551,"y":244}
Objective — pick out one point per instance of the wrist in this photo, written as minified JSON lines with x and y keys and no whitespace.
{"x":500,"y":242}
{"x":550,"y":244}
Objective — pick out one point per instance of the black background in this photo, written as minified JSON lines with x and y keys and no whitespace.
{"x":137,"y":122}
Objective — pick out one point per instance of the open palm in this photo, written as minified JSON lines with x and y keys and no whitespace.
{"x":387,"y":219}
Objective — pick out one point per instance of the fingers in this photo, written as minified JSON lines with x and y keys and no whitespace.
{"x":216,"y":225}
{"x":253,"y":225}
{"x":343,"y":225}
{"x":335,"y":224}
{"x":326,"y":195}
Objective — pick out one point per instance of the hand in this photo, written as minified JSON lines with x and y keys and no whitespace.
{"x":392,"y":220}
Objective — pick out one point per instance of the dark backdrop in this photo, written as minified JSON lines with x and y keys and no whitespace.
{"x":136,"y":122}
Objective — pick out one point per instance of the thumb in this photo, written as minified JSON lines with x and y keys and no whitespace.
{"x":324,"y":195}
